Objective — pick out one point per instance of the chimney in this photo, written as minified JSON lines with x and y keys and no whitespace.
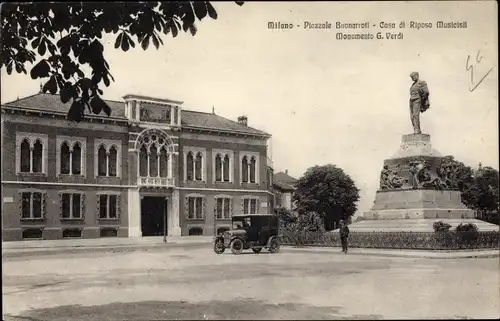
{"x":286,"y":171}
{"x":243,"y":120}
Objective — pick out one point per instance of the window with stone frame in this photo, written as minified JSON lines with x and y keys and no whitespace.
{"x":250,"y":205}
{"x":107,"y":156}
{"x":252,"y":170}
{"x":198,"y":167}
{"x":108,"y":206}
{"x":32,"y":204}
{"x":194,"y":207}
{"x":194,"y":165}
{"x":222,"y":167}
{"x":218,"y":168}
{"x":72,"y":205}
{"x":156,"y":154}
{"x":189,"y":167}
{"x":71,"y":159}
{"x":31,"y":150}
{"x":196,"y":230}
{"x":249,"y":168}
{"x":223,"y":207}
{"x":244,"y":169}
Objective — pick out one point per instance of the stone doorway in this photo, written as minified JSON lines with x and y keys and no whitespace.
{"x":153,"y":216}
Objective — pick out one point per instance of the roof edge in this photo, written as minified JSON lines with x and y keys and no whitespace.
{"x":153,"y":99}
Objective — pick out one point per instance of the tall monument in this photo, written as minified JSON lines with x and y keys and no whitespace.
{"x":418,"y":185}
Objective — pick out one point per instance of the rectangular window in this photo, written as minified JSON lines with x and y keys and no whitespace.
{"x":199,"y":207}
{"x":77,"y":205}
{"x":66,"y":205}
{"x":253,"y":206}
{"x":219,"y":208}
{"x":246,"y":202}
{"x":71,"y":205}
{"x":223,"y":208}
{"x":250,"y":206}
{"x":103,"y":206}
{"x":112,"y":212}
{"x":195,"y":207}
{"x":31,"y":205}
{"x":108,"y":206}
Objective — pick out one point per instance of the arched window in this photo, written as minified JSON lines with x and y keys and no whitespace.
{"x":112,"y":161}
{"x":155,"y":149}
{"x":76,"y":159}
{"x":226,"y":168}
{"x":244,"y":170}
{"x":252,"y":170}
{"x":143,"y":161}
{"x":189,"y":167}
{"x":153,"y":161}
{"x":102,"y":160}
{"x":37,"y":157}
{"x":198,"y":167}
{"x":163,"y":162}
{"x":218,"y":168}
{"x":25,"y":156}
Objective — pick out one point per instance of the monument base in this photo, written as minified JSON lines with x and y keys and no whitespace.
{"x":417,"y":188}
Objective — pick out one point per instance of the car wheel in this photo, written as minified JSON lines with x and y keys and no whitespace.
{"x":274,"y":246}
{"x":236,"y":246}
{"x":256,"y":250}
{"x":219,"y":247}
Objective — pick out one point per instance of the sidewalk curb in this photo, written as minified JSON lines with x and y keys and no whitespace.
{"x":18,"y":252}
{"x":426,"y":255}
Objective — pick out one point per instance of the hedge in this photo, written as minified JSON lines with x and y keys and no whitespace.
{"x":446,"y":240}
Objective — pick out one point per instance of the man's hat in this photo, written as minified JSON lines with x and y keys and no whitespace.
{"x":414,"y":74}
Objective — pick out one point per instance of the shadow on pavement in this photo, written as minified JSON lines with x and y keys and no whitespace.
{"x":238,"y":309}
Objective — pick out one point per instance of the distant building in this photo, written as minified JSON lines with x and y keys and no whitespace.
{"x":284,"y":187}
{"x":148,"y":169}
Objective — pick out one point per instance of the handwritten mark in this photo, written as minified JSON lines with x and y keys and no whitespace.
{"x":470,"y":67}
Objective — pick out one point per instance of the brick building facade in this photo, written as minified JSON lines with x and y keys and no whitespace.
{"x":148,"y":169}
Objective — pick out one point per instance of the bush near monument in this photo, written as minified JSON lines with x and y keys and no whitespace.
{"x":397,"y":240}
{"x":327,"y":191}
{"x":441,"y":227}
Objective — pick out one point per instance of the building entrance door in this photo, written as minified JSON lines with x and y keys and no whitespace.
{"x":153,"y":216}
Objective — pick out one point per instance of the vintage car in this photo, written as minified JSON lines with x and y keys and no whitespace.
{"x":250,"y":231}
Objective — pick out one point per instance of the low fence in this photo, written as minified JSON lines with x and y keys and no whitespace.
{"x":450,"y":240}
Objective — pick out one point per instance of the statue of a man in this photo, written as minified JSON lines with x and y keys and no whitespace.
{"x":419,"y":100}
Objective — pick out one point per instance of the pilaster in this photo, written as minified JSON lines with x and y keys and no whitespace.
{"x":134,"y":212}
{"x":173,"y":221}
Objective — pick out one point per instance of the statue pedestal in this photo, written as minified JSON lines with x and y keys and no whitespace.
{"x":417,"y":188}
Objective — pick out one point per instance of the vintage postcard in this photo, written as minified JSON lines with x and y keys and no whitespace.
{"x":210,"y":160}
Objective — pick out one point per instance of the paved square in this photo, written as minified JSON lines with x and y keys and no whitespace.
{"x":192,"y":282}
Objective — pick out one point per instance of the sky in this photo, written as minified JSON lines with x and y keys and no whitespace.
{"x":326,"y":101}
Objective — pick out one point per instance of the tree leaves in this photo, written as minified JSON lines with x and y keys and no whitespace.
{"x":79,"y":28}
{"x":98,"y":105}
{"x":326,"y":190}
{"x":211,"y":11}
{"x":40,"y":70}
{"x":50,"y":86}
{"x":124,"y":41}
{"x":200,"y":9}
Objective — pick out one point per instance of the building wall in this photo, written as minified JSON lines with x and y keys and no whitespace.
{"x":207,"y":223}
{"x":90,"y":185}
{"x":51,"y":184}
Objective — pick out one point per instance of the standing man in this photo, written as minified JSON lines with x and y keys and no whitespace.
{"x":344,"y":235}
{"x":419,"y":101}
